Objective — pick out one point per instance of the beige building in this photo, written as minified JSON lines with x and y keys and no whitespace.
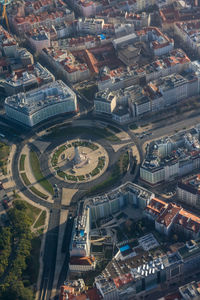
{"x":104,"y":102}
{"x":82,"y":264}
{"x":188,"y":191}
{"x":129,"y":55}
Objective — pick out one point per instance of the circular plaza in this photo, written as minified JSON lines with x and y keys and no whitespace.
{"x":79,"y":160}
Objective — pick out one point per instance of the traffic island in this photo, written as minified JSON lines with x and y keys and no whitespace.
{"x":79,"y":161}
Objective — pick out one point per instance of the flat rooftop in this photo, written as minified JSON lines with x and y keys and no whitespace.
{"x":30,"y":102}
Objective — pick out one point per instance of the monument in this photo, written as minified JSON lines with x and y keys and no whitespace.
{"x":80,"y":161}
{"x":79,"y":158}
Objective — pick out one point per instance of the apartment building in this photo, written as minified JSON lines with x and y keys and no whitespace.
{"x":189,"y":33}
{"x":188,"y":191}
{"x":177,"y":158}
{"x":170,"y":217}
{"x":66,"y":64}
{"x":33,"y":77}
{"x":40,"y":104}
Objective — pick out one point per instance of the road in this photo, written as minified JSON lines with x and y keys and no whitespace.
{"x":49,"y":255}
{"x":22,"y":135}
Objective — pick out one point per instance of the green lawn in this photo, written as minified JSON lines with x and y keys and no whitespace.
{"x":31,"y":211}
{"x":25,"y":179}
{"x":112,"y":179}
{"x":133,"y":126}
{"x":119,"y":168}
{"x":22,"y":161}
{"x":41,"y":220}
{"x":123,"y":162}
{"x":4,"y":153}
{"x":38,"y":193}
{"x":89,"y":91}
{"x":57,"y":153}
{"x":113,"y":128}
{"x":35,"y":165}
{"x":69,"y":130}
{"x":33,"y":260}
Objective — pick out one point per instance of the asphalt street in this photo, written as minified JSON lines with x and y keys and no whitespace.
{"x":20,"y":136}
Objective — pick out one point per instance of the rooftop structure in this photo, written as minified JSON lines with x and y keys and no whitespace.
{"x":188,"y":190}
{"x":116,"y":15}
{"x":66,"y":63}
{"x":174,"y":62}
{"x":128,"y":275}
{"x":80,"y":245}
{"x":34,"y":76}
{"x":171,"y":158}
{"x":170,"y":216}
{"x":170,"y":15}
{"x":34,"y":14}
{"x":189,"y":32}
{"x":76,"y":290}
{"x":190,"y":290}
{"x":33,"y":107}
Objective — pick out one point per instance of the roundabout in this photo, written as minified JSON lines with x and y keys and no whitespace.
{"x":79,"y":161}
{"x":59,"y":166}
{"x":84,"y":158}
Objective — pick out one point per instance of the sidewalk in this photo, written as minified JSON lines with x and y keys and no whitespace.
{"x":60,"y":257}
{"x":30,"y":175}
{"x":10,"y":183}
{"x":67,"y":195}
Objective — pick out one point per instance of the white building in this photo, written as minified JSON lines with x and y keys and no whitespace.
{"x":40,"y":41}
{"x":90,"y":26}
{"x":40,"y":104}
{"x":37,"y":76}
{"x":169,"y":158}
{"x":189,"y":33}
{"x":105,"y":102}
{"x":188,"y":191}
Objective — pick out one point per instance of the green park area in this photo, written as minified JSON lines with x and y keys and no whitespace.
{"x":25,"y":179}
{"x":57,"y":132}
{"x":22,"y":162}
{"x":19,"y":253}
{"x":4,"y":153}
{"x":41,"y":220}
{"x":35,"y":165}
{"x":89,"y":91}
{"x":133,"y":126}
{"x":38,"y":193}
{"x":32,"y":188}
{"x":31,"y":211}
{"x":118,"y":170}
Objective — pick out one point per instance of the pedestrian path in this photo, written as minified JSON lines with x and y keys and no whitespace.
{"x":60,"y":257}
{"x":30,"y":176}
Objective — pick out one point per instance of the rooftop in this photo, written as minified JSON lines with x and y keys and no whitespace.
{"x":166,"y":218}
{"x":84,"y":261}
{"x":190,"y":290}
{"x":46,"y":95}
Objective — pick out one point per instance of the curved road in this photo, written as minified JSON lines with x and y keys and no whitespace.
{"x":49,"y":255}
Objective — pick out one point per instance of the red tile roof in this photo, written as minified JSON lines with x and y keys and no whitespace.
{"x":122,"y":280}
{"x":167,"y":217}
{"x":85,"y":260}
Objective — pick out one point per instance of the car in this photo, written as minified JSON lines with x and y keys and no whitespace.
{"x":55,"y":185}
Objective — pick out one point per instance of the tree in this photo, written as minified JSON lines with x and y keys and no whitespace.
{"x":17,"y":291}
{"x":20,"y":205}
